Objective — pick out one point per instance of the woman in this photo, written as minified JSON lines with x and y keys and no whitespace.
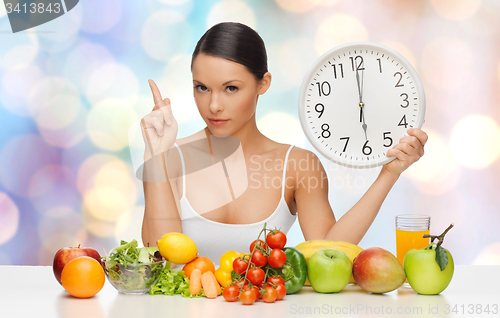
{"x":229,"y":67}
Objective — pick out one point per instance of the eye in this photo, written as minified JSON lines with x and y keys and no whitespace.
{"x":231,"y":89}
{"x":201,"y":88}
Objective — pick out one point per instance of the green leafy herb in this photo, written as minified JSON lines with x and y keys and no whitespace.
{"x":441,"y":257}
{"x":173,"y":282}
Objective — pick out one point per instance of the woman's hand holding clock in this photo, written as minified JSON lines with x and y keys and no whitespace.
{"x":159,"y":128}
{"x":409,"y":150}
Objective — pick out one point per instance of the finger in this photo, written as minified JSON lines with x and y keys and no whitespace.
{"x":394,"y":152}
{"x":406,"y":148}
{"x":419,"y":134}
{"x":156,"y":92}
{"x":412,"y":141}
{"x":152,"y":120}
{"x":167,"y":112}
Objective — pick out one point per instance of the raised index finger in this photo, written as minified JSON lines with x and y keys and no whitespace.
{"x":156,"y":92}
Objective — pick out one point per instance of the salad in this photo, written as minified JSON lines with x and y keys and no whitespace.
{"x":130,"y":268}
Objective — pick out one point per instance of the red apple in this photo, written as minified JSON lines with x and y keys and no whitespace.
{"x":67,"y":254}
{"x":378,"y":271}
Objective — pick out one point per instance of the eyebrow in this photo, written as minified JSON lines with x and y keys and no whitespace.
{"x":235,"y":80}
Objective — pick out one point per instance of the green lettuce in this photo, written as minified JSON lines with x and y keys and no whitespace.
{"x":173,"y":282}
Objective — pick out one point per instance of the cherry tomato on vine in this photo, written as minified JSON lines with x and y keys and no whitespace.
{"x":276,"y":239}
{"x":270,"y":295}
{"x":259,"y":259}
{"x":248,"y":297}
{"x":256,"y":275}
{"x":277,"y":258}
{"x":281,"y":290}
{"x":231,"y":293}
{"x":239,"y":265}
{"x":276,"y":280}
{"x":261,"y":243}
{"x":255,"y":289}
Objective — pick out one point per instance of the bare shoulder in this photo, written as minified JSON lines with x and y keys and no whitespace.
{"x":303,"y":155}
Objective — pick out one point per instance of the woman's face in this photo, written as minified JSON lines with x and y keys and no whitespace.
{"x":226,"y":93}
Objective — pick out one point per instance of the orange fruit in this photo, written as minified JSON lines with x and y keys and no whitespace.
{"x":83,"y":277}
{"x":204,"y":264}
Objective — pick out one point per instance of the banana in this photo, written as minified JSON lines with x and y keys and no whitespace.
{"x":329,"y":243}
{"x":308,"y":248}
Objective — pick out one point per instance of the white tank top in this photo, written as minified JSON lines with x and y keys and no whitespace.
{"x":213,"y":239}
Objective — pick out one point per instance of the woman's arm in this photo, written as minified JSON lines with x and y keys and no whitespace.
{"x":159,"y":130}
{"x":161,"y":213}
{"x":315,"y":214}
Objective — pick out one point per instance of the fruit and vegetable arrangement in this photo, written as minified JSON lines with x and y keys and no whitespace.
{"x":268,"y":271}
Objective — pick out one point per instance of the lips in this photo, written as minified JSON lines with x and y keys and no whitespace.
{"x":218,"y":121}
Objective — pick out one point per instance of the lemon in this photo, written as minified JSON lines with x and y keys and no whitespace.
{"x":178,"y":248}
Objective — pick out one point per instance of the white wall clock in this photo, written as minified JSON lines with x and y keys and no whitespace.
{"x":357,"y":101}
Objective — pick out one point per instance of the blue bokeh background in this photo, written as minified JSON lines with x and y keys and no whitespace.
{"x":71,"y":88}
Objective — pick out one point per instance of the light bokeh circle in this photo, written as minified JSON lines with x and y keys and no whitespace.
{"x":15,"y":87}
{"x":231,"y":11}
{"x":111,"y":80}
{"x":21,"y":157}
{"x":298,"y":6}
{"x":85,"y":59}
{"x":100,"y":16}
{"x":456,"y":10}
{"x":54,"y":103}
{"x":437,"y":172}
{"x":475,"y":141}
{"x":447,"y":63}
{"x":9,"y":218}
{"x":339,"y":29}
{"x":19,"y":56}
{"x":108,"y":123}
{"x":165,"y":34}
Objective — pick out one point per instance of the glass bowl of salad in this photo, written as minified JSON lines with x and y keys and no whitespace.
{"x":133,"y":270}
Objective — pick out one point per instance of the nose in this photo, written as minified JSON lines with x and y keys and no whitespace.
{"x":215,"y":104}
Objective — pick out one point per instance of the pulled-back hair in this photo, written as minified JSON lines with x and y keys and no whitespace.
{"x":235,"y":42}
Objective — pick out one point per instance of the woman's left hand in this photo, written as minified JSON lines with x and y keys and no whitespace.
{"x":409,"y":150}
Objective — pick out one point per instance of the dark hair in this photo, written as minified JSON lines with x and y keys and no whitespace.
{"x":235,"y":42}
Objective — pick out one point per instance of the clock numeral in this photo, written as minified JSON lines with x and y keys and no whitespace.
{"x":403,"y":122}
{"x":335,"y":70}
{"x":324,"y":88}
{"x":367,"y":150}
{"x":405,"y":99}
{"x":359,"y":66}
{"x":346,"y":142}
{"x":325,"y":132}
{"x":399,"y":81}
{"x":379,"y":65}
{"x":387,"y":138}
{"x":319,"y":110}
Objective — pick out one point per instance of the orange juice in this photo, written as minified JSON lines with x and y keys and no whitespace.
{"x":407,"y":240}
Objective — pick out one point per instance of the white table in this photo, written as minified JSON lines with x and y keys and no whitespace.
{"x":32,"y":291}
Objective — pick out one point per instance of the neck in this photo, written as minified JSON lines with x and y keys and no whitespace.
{"x":250,"y":137}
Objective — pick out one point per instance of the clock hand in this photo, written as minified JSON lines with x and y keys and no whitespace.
{"x":364,"y":125}
{"x":361,"y":104}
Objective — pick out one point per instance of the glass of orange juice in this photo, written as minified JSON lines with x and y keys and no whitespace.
{"x":409,"y":231}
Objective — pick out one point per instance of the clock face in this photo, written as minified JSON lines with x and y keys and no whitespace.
{"x":357,"y":101}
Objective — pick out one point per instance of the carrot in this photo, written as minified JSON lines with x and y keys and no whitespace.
{"x":210,"y":284}
{"x":195,"y":282}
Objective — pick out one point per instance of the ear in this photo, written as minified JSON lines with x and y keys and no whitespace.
{"x":264,"y":83}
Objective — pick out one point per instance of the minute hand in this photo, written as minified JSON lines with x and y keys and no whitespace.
{"x":361,"y":104}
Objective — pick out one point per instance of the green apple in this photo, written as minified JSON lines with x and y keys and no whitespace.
{"x":329,"y":270}
{"x":423,"y":272}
